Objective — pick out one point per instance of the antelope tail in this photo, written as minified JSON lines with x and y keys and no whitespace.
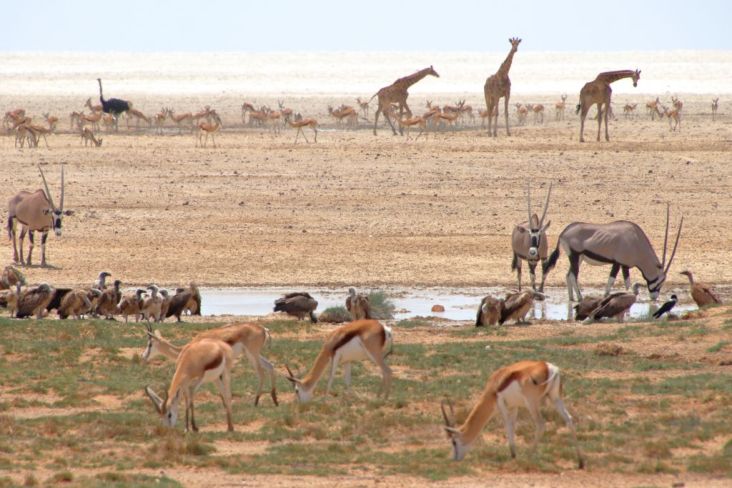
{"x":579,"y":107}
{"x":10,"y":226}
{"x":514,"y":262}
{"x":551,"y":261}
{"x":373,"y":97}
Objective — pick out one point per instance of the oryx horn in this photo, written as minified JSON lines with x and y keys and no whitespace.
{"x":61,"y":208}
{"x":528,"y":201}
{"x":673,"y":253}
{"x":546,"y":206}
{"x":48,"y":192}
{"x":665,"y":237}
{"x":291,"y":376}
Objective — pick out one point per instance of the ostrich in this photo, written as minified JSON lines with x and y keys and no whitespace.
{"x":114,"y":106}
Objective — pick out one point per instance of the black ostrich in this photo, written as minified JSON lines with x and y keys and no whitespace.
{"x":114,"y":106}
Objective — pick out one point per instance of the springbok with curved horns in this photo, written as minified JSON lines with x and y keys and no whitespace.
{"x":528,"y":242}
{"x":622,"y":244}
{"x":523,"y":384}
{"x":36,"y":212}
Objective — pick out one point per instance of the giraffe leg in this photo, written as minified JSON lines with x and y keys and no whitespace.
{"x":583,"y":116}
{"x":607,"y":114}
{"x":505,"y":110}
{"x":376,"y":118}
{"x":393,"y":130}
{"x":599,"y":120}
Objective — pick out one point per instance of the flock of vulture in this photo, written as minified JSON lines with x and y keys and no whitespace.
{"x":98,"y":300}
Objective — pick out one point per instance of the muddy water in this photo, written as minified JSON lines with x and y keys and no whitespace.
{"x":460,"y":304}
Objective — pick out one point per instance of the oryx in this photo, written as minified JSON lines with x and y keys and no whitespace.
{"x":36,"y":212}
{"x":622,"y":244}
{"x":528,"y":242}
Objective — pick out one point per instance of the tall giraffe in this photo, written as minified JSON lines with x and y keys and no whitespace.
{"x":599,"y":92}
{"x":498,"y":86}
{"x":397,"y":93}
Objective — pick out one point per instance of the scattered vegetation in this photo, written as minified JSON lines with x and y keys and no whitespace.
{"x":382,"y":307}
{"x":637,"y":411}
{"x":335,"y":315}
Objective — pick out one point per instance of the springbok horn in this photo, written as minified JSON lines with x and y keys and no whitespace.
{"x":673,"y":253}
{"x":448,"y":422}
{"x":62,"y":188}
{"x":546,"y":206}
{"x":528,"y":201}
{"x":665,"y":238}
{"x":290,"y":376}
{"x":48,"y":192}
{"x":157,"y":401}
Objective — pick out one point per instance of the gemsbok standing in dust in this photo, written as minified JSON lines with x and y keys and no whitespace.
{"x":36,"y":212}
{"x":528,"y":242}
{"x":622,"y":244}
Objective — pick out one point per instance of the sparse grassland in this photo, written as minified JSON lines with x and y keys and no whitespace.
{"x":649,"y":398}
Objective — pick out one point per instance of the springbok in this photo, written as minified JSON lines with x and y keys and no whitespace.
{"x":622,"y":244}
{"x":675,"y":115}
{"x":248,"y":339}
{"x":299,"y":123}
{"x":560,"y":107}
{"x":528,"y":241}
{"x":200,"y":362}
{"x":36,"y":212}
{"x":715,"y":107}
{"x":523,"y":384}
{"x":355,"y":341}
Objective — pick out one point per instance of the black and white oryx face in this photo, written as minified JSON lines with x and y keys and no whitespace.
{"x":56,"y":221}
{"x":56,"y":213}
{"x":537,"y":227}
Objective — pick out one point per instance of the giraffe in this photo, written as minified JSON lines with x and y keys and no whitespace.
{"x":599,"y":92}
{"x":498,"y":86}
{"x":397,"y":93}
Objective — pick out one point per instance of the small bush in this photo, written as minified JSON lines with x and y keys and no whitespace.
{"x":335,"y":315}
{"x":381,"y":307}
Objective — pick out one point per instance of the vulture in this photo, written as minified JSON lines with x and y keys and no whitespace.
{"x":298,"y":304}
{"x":358,"y":305}
{"x":584,"y":308}
{"x":131,"y":304}
{"x":75,"y":304}
{"x":153,"y":305}
{"x":516,"y":305}
{"x":184,"y":299}
{"x":101,"y":283}
{"x":701,"y":293}
{"x":33,"y":301}
{"x":489,"y":311}
{"x":58,"y":296}
{"x":9,"y":299}
{"x":107,"y":304}
{"x":615,"y":305}
{"x":10,"y":277}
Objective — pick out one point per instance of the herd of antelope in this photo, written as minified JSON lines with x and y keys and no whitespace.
{"x":211,"y":355}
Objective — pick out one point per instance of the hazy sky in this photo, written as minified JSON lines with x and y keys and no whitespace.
{"x":376,"y":25}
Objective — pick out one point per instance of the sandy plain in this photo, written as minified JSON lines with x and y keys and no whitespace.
{"x":364,"y":210}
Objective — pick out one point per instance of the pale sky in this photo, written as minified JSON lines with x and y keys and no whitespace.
{"x":376,"y":25}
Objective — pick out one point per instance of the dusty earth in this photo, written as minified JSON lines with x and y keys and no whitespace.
{"x":365,"y":210}
{"x":355,"y":209}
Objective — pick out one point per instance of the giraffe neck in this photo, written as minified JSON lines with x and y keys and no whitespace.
{"x":410,"y":80}
{"x":506,"y":65}
{"x":613,"y":76}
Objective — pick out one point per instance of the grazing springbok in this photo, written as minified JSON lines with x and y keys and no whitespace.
{"x":622,"y":244}
{"x":36,"y":212}
{"x":523,"y":384}
{"x":248,"y":339}
{"x":199,"y":362}
{"x":528,"y":241}
{"x":356,"y":341}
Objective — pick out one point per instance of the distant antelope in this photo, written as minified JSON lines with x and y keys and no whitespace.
{"x":522,"y":112}
{"x":92,"y":119}
{"x":652,"y":108}
{"x":159,"y":119}
{"x":199,"y":362}
{"x":38,"y":131}
{"x":87,"y":136}
{"x":560,"y":107}
{"x":286,"y":113}
{"x":538,"y":110}
{"x":36,"y":212}
{"x":299,"y":123}
{"x":133,"y":112}
{"x":208,"y":129}
{"x":181,"y":120}
{"x":529,"y":242}
{"x":93,"y":108}
{"x":678,"y":104}
{"x":629,"y":109}
{"x":51,"y":120}
{"x":418,"y":121}
{"x":363,"y":106}
{"x":524,"y":384}
{"x":356,"y":341}
{"x":622,"y":244}
{"x":344,"y":112}
{"x":675,"y":115}
{"x":13,"y":117}
{"x":715,"y":107}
